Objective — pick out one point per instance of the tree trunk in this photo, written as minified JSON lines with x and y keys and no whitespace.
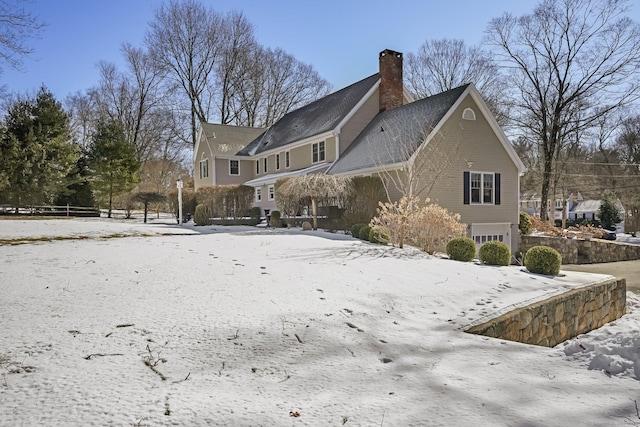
{"x":314,"y":212}
{"x":146,"y":205}
{"x":546,"y":183}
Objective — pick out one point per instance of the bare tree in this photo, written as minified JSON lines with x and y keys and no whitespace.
{"x":17,"y":25}
{"x":571,"y":62}
{"x":184,"y":39}
{"x":425,"y":160}
{"x":289,"y":84}
{"x":441,"y":65}
{"x":238,"y":44}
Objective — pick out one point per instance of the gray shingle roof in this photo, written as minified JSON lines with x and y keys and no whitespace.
{"x":320,"y":116}
{"x":393,"y":135}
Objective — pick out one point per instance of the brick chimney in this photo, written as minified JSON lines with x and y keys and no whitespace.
{"x":390,"y":79}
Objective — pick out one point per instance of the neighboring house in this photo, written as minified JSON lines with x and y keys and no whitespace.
{"x":577,"y":208}
{"x":373,"y":127}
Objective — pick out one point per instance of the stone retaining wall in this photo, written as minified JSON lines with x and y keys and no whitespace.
{"x":561,"y":317}
{"x":579,"y":251}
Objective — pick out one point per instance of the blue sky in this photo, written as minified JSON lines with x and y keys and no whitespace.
{"x":341,"y":39}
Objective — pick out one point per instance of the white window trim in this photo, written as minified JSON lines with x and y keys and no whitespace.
{"x":287,"y":159}
{"x":258,"y":194}
{"x":468,"y":114}
{"x":234,"y":174}
{"x":204,"y":161}
{"x":266,"y":162}
{"x":277,"y":161}
{"x":257,"y":167}
{"x":493,"y":188}
{"x":323,"y":151}
{"x":271,"y":192}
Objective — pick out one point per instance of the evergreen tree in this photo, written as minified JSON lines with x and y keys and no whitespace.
{"x":609,"y":212}
{"x":36,"y":151}
{"x":113,"y":162}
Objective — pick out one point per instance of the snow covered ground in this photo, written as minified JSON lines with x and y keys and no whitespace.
{"x":108,"y":322}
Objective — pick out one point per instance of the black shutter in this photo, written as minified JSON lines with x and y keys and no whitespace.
{"x":497,"y":196}
{"x":466,"y":186}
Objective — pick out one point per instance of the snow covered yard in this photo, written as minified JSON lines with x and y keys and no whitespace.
{"x":155,"y":324}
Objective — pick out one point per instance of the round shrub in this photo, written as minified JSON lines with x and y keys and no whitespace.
{"x":202,"y":215}
{"x":379,"y":235}
{"x":355,"y":229}
{"x":461,"y":249}
{"x":495,"y":252}
{"x":543,"y":260}
{"x":275,"y":220}
{"x":364,"y":233}
{"x":525,"y":224}
{"x":306,"y":226}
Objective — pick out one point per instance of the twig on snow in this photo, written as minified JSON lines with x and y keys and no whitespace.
{"x":91,"y":356}
{"x":299,"y":340}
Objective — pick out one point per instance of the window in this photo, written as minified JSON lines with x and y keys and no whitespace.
{"x":481,"y":188}
{"x":257,"y":167}
{"x":318,"y":152}
{"x":287,"y":161}
{"x":277,"y":162}
{"x":265,"y":165}
{"x":487,"y":188}
{"x":272,"y":193}
{"x":258,"y":194}
{"x":204,"y":168}
{"x":234,"y":167}
{"x":468,"y":114}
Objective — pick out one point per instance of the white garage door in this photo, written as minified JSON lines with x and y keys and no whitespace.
{"x":483,"y":233}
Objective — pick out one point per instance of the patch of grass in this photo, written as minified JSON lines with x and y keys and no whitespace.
{"x":29,"y":240}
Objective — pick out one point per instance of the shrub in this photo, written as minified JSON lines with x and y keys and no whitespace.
{"x":275,"y":220}
{"x":525,"y":224}
{"x":427,"y":226}
{"x":255,"y":213}
{"x":355,"y":229}
{"x":461,"y":249}
{"x":306,"y":226}
{"x":379,"y":235}
{"x":543,"y":260}
{"x":202,"y":215}
{"x":495,"y":252}
{"x":364,"y":233}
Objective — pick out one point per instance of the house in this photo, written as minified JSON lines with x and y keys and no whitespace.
{"x":447,"y":147}
{"x":577,"y":208}
{"x":214,"y":156}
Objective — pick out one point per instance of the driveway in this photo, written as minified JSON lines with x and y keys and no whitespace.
{"x":630,"y":270}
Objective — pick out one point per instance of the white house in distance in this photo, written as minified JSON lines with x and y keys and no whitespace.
{"x":374,"y":127}
{"x":578,"y":208}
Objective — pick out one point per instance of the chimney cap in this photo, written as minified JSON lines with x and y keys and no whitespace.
{"x":391,"y":52}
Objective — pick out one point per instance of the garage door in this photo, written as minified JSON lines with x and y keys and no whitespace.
{"x":483,"y":233}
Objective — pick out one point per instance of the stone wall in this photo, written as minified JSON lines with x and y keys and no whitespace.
{"x":561,"y":317}
{"x":579,"y":251}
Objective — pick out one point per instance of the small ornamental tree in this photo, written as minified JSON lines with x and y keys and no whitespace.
{"x":147,"y":198}
{"x":319,"y":188}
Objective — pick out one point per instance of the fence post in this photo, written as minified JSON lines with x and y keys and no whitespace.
{"x":67,"y":209}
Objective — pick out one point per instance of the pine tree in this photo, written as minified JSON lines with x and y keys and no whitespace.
{"x":609,"y":213}
{"x":113,"y":163}
{"x":37,"y":153}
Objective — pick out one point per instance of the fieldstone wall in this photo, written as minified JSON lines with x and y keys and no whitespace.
{"x":580,"y":251}
{"x":562,"y":317}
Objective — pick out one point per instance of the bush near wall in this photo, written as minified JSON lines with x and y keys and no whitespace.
{"x":495,"y":253}
{"x":543,"y":260}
